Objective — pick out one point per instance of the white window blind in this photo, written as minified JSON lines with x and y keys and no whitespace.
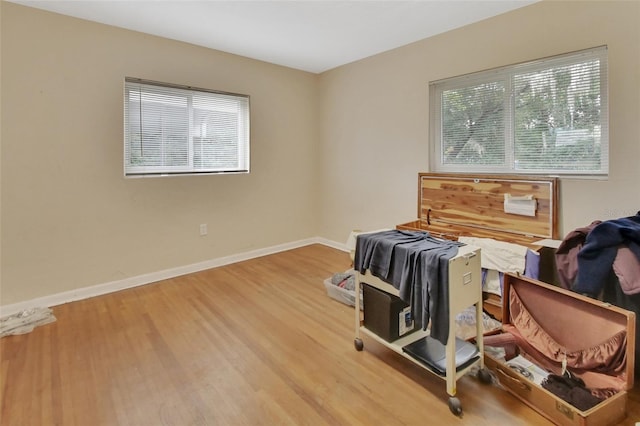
{"x":173,"y":130}
{"x":543,"y":117}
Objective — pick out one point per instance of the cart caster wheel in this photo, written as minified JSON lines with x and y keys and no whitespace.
{"x":455,"y":406}
{"x":484,"y":376}
{"x":358,"y":344}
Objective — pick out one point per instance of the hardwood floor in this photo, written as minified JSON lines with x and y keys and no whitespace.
{"x":253,"y":343}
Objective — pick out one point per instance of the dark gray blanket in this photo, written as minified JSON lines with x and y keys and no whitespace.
{"x":374,"y":251}
{"x":416,"y":264}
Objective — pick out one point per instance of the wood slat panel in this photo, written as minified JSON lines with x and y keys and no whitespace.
{"x":475,"y":204}
{"x":256,"y":342}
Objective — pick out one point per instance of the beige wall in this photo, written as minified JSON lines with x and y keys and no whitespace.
{"x":70,"y":219}
{"x":375,"y":112}
{"x":0,"y":159}
{"x":330,"y":153}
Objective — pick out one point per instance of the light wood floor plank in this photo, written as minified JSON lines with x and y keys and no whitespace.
{"x":254,"y":343}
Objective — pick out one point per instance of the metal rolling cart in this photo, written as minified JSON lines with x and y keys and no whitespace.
{"x":457,"y":357}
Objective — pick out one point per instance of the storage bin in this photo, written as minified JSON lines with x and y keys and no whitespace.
{"x":348,"y":297}
{"x":385,"y":314}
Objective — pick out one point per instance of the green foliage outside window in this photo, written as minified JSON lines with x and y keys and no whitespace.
{"x":546,"y":118}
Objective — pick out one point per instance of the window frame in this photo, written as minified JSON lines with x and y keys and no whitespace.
{"x":507,"y":75}
{"x":243,"y":143}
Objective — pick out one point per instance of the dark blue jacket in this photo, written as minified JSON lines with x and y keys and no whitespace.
{"x":596,"y":257}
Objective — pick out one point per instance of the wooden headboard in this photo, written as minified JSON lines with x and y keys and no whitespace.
{"x":453,"y":205}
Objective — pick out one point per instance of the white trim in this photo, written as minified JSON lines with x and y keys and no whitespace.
{"x":113,"y":286}
{"x":330,"y":243}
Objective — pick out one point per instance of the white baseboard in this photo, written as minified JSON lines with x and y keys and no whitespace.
{"x":110,"y":287}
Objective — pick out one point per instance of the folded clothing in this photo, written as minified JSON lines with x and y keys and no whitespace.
{"x":346,"y":280}
{"x":572,"y":390}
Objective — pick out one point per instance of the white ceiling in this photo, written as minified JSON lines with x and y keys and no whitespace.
{"x":313,"y":36}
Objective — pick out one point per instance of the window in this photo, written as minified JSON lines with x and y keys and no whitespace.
{"x":177,"y":130}
{"x":542,"y":117}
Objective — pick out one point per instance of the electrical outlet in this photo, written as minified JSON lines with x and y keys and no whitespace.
{"x":203,"y":229}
